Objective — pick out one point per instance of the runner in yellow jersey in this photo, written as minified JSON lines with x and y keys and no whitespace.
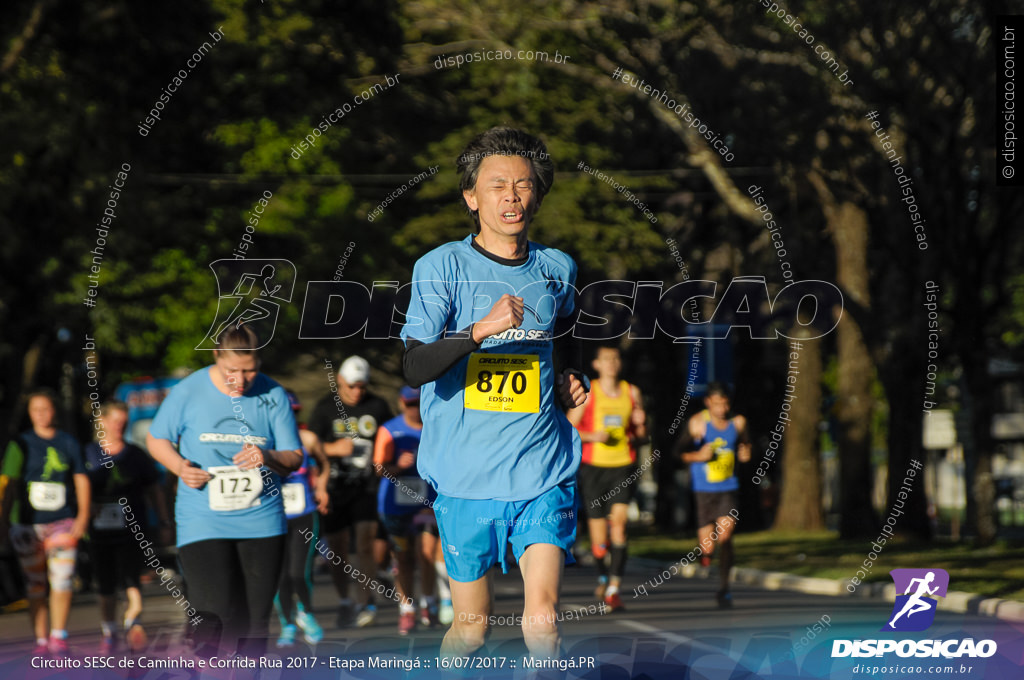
{"x":611,"y":424}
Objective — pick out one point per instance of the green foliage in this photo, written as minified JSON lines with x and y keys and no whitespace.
{"x":71,"y":103}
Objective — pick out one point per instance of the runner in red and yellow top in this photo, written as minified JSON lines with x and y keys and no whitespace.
{"x":611,"y":424}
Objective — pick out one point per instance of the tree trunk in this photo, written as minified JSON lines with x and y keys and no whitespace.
{"x":800,"y":505}
{"x":903,"y":378}
{"x":848,"y":225}
{"x":857,"y":516}
{"x":981,"y":497}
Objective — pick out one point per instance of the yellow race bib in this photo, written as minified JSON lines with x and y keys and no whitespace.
{"x":507,"y":383}
{"x":720,"y":468}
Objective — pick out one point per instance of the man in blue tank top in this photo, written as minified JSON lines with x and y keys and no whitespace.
{"x":717,"y":443}
{"x":405,"y":507}
{"x":496,"y":444}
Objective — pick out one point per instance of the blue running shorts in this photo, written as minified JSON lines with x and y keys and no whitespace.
{"x":475,"y":533}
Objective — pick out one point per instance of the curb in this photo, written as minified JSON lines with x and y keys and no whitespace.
{"x":955,"y":600}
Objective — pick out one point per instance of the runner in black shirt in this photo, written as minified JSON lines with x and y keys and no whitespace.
{"x":346,"y":421}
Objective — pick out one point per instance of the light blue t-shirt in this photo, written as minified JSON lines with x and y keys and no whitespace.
{"x":209,"y":428}
{"x":492,"y":428}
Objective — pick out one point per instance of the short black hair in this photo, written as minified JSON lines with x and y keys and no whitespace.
{"x":504,"y":141}
{"x":719,"y":388}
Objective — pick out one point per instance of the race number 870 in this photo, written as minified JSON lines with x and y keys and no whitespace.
{"x":483,"y":382}
{"x":507,"y":383}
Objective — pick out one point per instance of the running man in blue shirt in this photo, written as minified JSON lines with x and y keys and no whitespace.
{"x":716,"y":443}
{"x":496,"y":444}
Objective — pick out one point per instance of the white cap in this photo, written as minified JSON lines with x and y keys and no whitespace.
{"x":355,"y":369}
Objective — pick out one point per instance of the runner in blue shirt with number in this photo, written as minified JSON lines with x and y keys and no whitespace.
{"x":496,"y":444}
{"x":228,"y":433}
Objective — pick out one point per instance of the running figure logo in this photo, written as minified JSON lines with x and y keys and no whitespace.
{"x":914,"y":610}
{"x":53,"y":464}
{"x":257,"y":289}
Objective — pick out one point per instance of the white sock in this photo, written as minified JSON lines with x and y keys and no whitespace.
{"x":612,"y":589}
{"x":406,"y":607}
{"x":108,"y":628}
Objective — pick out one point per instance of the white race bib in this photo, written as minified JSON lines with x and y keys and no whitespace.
{"x":46,"y":496}
{"x":233,"y":488}
{"x":411,"y":491}
{"x":108,"y":517}
{"x":294,"y":495}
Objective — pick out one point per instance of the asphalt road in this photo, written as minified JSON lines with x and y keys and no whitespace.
{"x":676,"y":631}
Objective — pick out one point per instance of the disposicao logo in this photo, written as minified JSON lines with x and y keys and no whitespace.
{"x":914,"y":610}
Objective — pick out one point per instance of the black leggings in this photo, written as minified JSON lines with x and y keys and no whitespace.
{"x":296,"y":574}
{"x":231,"y":583}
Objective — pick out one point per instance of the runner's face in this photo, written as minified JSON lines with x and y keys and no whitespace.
{"x":504,"y":195}
{"x":238,"y":371}
{"x":412,"y":410}
{"x":351,"y":393}
{"x":607,"y":363}
{"x":41,"y":412}
{"x":717,"y":405}
{"x":114,"y":424}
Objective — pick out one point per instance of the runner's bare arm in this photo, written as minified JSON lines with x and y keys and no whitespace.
{"x":339,"y":448}
{"x":638,"y":418}
{"x":83,"y":493}
{"x":696,"y":428}
{"x":282,"y":462}
{"x":8,"y":489}
{"x":384,"y":454}
{"x":163,"y":451}
{"x":742,"y":440}
{"x":315,"y":449}
{"x":575,"y":416}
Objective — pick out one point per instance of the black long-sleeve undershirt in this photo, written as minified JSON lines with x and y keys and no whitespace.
{"x":424,"y":362}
